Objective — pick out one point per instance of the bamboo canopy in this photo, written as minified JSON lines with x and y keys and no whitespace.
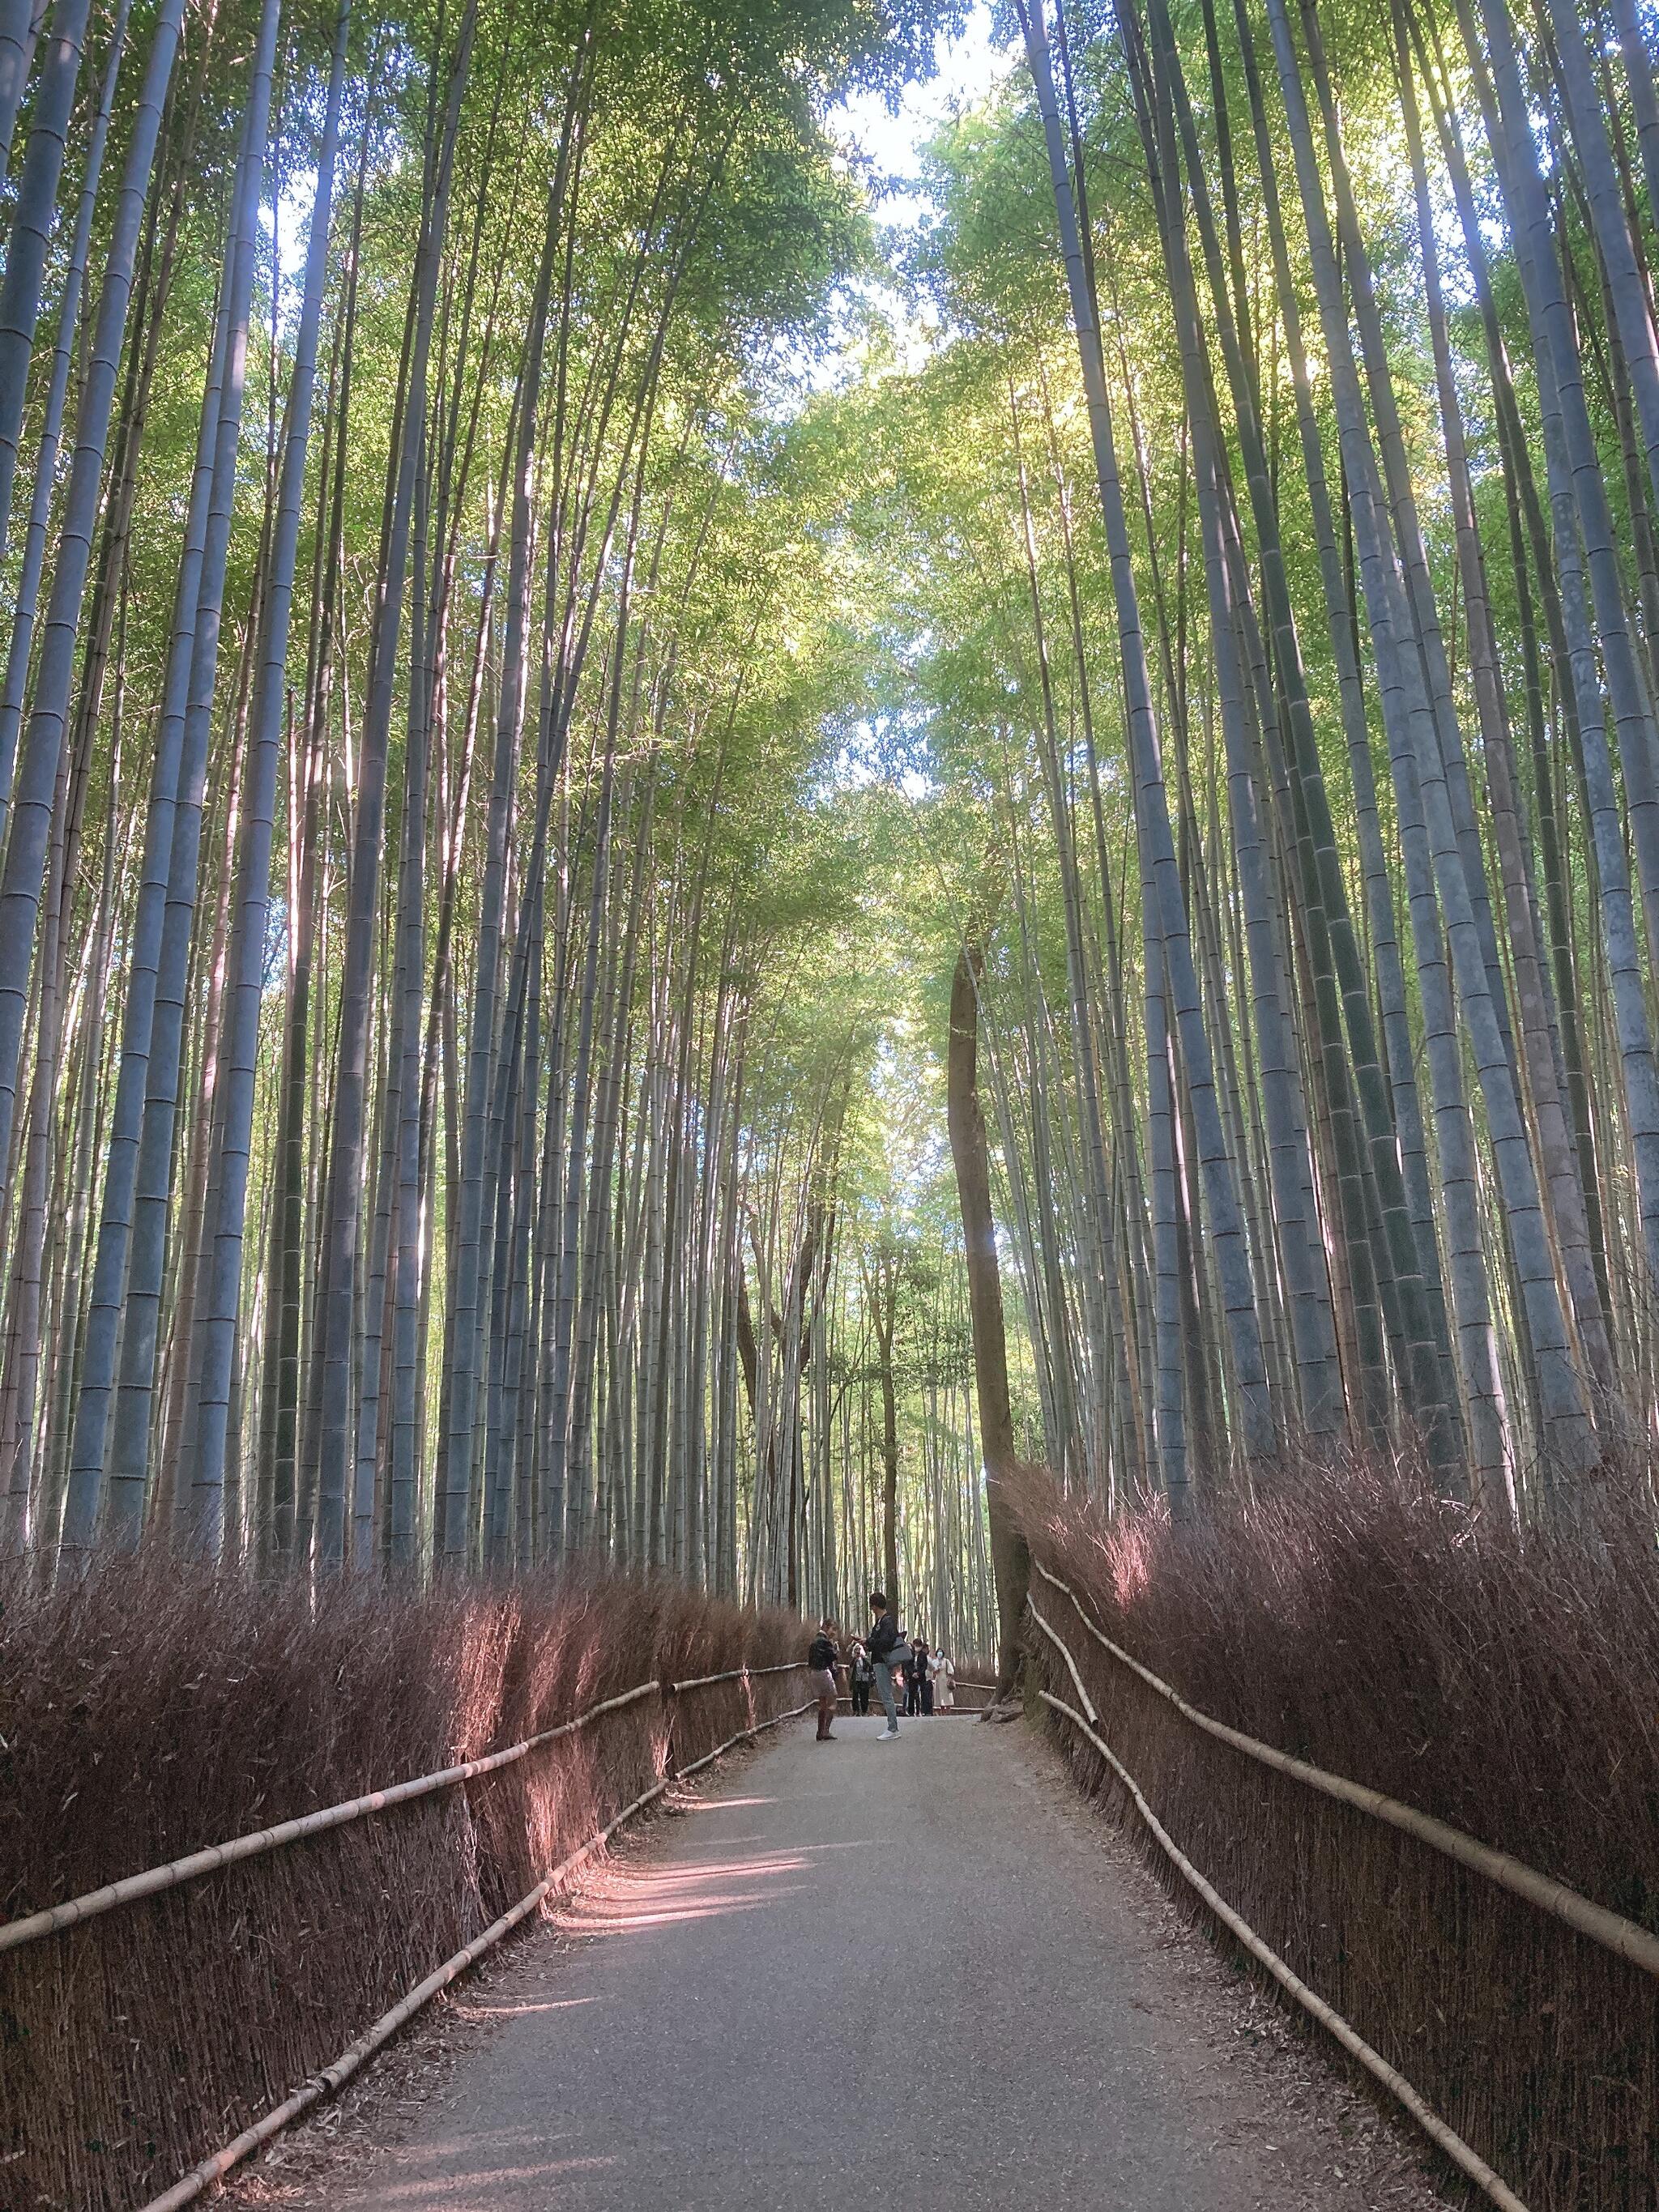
{"x":546,"y":650}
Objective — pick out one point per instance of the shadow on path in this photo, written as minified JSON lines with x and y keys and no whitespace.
{"x":899,"y":1975}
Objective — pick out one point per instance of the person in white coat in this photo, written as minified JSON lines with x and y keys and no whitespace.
{"x":945,"y":1675}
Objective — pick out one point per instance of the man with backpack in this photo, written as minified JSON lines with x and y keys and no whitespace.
{"x":890,"y":1653}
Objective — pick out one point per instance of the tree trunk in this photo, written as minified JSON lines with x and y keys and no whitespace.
{"x":1010,"y":1557}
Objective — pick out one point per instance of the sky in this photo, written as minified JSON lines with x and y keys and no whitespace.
{"x":891,"y":144}
{"x":884,"y":147}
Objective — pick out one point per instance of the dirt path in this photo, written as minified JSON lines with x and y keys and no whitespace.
{"x":918,"y":1974}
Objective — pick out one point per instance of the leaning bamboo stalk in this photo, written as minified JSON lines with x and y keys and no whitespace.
{"x":30,"y":241}
{"x":92,"y":1903}
{"x":1622,"y":1936}
{"x":1467,"y":2159}
{"x":32,"y":800}
{"x":357,"y":2055}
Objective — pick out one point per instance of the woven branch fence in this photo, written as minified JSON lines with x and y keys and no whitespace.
{"x":1517,"y":2020}
{"x":973,"y":1697}
{"x":169,"y":2022}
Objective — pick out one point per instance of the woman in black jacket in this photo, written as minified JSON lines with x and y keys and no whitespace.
{"x":918,"y":1691}
{"x":823,"y":1658}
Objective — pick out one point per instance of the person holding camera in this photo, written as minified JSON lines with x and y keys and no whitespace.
{"x":861,"y":1674}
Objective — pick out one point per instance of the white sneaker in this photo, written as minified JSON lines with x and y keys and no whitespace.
{"x":888,"y":1735}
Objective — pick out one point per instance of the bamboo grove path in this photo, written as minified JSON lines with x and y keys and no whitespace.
{"x":916,"y":1974}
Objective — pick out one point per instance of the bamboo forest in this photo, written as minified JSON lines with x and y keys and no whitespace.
{"x":830,"y":869}
{"x":610,"y":731}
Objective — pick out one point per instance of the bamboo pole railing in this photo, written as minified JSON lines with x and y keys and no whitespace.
{"x":1625,"y":1937}
{"x":737,"y":1674}
{"x":1462,"y":2154}
{"x":334,"y":2078}
{"x":32,"y":1927}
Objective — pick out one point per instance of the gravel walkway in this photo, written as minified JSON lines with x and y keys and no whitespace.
{"x":920,"y":1975}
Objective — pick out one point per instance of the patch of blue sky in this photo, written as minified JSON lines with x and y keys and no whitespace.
{"x":883,"y":143}
{"x":863,"y":762}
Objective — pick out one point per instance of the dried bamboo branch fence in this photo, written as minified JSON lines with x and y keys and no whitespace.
{"x":148,"y":2021}
{"x":131,"y":1888}
{"x":15,"y":1933}
{"x":981,"y":1695}
{"x":1539,"y":1966}
{"x":333,"y":2079}
{"x":1619,"y":1934}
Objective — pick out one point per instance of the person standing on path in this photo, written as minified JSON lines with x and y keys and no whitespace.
{"x":919,"y":1695}
{"x":884,"y":1649}
{"x":860,"y":1674}
{"x":823,"y":1657}
{"x":945,"y":1675}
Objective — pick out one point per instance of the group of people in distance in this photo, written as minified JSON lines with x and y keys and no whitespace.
{"x":889,"y":1659}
